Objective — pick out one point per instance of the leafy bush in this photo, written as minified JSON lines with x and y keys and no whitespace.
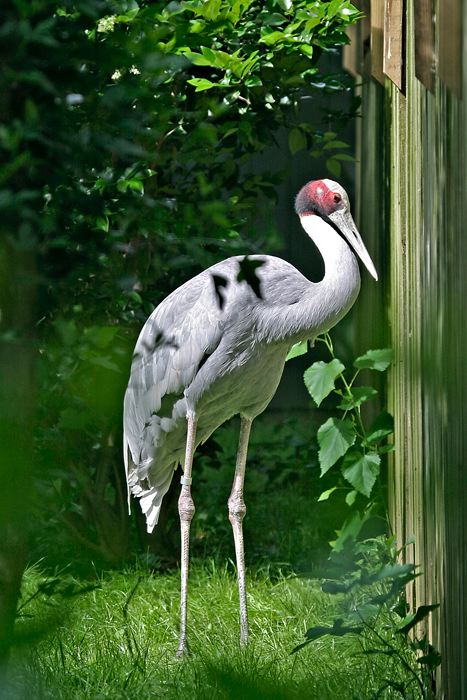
{"x":372,"y":586}
{"x":365,"y":571}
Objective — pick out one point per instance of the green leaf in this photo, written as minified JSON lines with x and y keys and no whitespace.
{"x":396,"y":571}
{"x":375,"y":359}
{"x":350,"y":498}
{"x":307,"y":50}
{"x":334,"y":438}
{"x":381,"y":428}
{"x":102,"y":223}
{"x":201,"y":84}
{"x":385,"y":449}
{"x":336,"y":144}
{"x":334,"y":167}
{"x":271,"y":38}
{"x":253,"y":81}
{"x":320,"y":377}
{"x":334,"y":7}
{"x":297,"y":140}
{"x":338,"y":629}
{"x":350,"y":530}
{"x":274,"y":19}
{"x":325,"y":495}
{"x":359,"y":395}
{"x":343,"y":156}
{"x":431,"y":660}
{"x":136,"y":185}
{"x":361,"y":471}
{"x":297,"y":350}
{"x":408,"y":622}
{"x":365,"y":612}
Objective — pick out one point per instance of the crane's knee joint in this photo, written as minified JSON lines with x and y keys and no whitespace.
{"x":186,"y":508}
{"x":237,"y":508}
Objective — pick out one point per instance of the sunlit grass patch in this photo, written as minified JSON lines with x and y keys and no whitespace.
{"x":119,"y":641}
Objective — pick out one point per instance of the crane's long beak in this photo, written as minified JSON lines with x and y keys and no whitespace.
{"x":346,"y":225}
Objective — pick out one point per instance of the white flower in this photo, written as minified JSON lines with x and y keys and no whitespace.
{"x":106,"y":24}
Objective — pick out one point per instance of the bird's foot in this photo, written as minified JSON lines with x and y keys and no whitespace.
{"x":183,"y":650}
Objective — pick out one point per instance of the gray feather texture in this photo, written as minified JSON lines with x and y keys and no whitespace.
{"x":192,"y":355}
{"x":215,"y":352}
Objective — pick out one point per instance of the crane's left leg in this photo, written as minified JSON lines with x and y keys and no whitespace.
{"x":237,"y":510}
{"x":186,"y":509}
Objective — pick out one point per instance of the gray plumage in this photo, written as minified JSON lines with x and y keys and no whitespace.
{"x":191,"y":354}
{"x":210,"y":360}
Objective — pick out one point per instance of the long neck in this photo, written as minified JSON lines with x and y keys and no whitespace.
{"x":323,"y":303}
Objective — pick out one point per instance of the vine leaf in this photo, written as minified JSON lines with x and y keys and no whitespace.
{"x":320,"y":377}
{"x":361,"y":471}
{"x":334,"y":438}
{"x":297,"y":140}
{"x":406,"y":624}
{"x":375,"y":359}
{"x":325,"y":495}
{"x":338,"y":629}
{"x":358,"y":395}
{"x":351,"y":497}
{"x":381,"y":428}
{"x":297,"y":349}
{"x":201,"y":84}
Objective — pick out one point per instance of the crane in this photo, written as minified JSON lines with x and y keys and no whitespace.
{"x":210,"y":351}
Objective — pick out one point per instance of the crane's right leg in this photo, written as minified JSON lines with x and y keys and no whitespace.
{"x":237,"y":510}
{"x":186,"y":510}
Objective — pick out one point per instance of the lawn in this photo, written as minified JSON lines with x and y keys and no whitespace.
{"x":118,"y":640}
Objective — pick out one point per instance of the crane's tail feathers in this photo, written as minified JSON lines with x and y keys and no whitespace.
{"x":150,"y":497}
{"x":126,"y":457}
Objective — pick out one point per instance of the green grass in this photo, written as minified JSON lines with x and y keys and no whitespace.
{"x":119,"y":640}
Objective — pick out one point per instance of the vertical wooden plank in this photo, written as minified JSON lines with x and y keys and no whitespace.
{"x":371,"y":214}
{"x":393,"y":60}
{"x":350,"y":61}
{"x":450,"y":44}
{"x":400,"y":471}
{"x":414,"y":301}
{"x":365,"y":37}
{"x":453,"y":383}
{"x":424,"y":42}
{"x":377,"y":40}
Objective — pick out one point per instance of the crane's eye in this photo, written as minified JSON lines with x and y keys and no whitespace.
{"x":337,"y":198}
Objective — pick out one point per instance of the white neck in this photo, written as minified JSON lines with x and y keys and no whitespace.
{"x":340,"y":263}
{"x":341,"y":282}
{"x":324,"y":303}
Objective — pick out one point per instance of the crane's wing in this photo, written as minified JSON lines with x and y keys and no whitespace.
{"x":174,"y":342}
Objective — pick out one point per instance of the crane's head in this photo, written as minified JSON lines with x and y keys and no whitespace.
{"x":328,"y":200}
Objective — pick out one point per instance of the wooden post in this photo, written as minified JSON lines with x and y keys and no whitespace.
{"x":377,"y":40}
{"x":450,"y":44}
{"x":424,"y":42}
{"x":393,"y":61}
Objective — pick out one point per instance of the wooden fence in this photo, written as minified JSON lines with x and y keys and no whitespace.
{"x":412,"y":192}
